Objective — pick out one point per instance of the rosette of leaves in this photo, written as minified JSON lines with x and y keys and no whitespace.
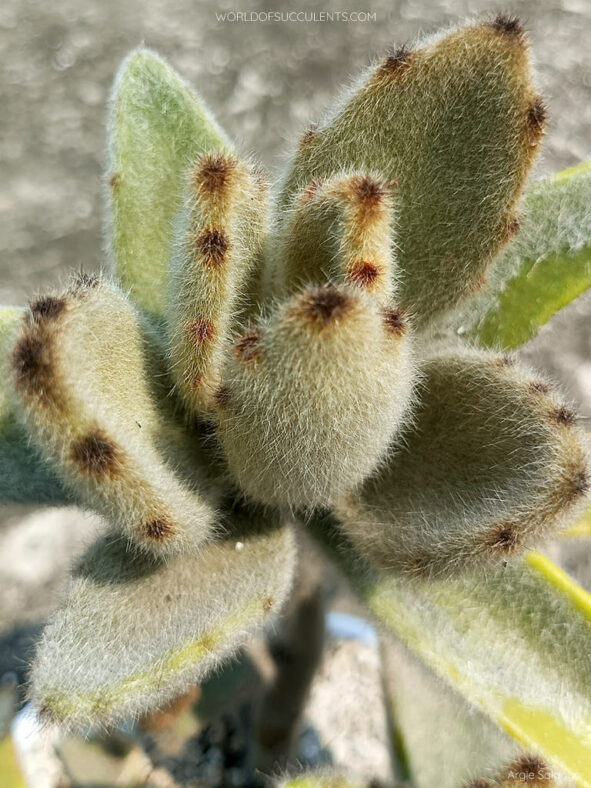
{"x":336,"y":346}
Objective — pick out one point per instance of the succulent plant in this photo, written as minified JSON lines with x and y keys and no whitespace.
{"x":334,"y":352}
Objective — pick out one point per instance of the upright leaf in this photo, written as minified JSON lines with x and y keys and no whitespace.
{"x":158,"y":127}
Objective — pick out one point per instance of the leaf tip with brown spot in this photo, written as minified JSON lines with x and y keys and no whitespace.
{"x":564,"y":415}
{"x":323,"y":305}
{"x":247,"y":346}
{"x":537,"y":116}
{"x":504,"y":538}
{"x":32,"y":365}
{"x":214,"y":170}
{"x":363,"y":274}
{"x":82,"y":282}
{"x":396,"y":61}
{"x":222,"y":397}
{"x":309,"y":137}
{"x":369,"y":191}
{"x":47,"y":307}
{"x":201,"y":330}
{"x":539,"y":387}
{"x":508,"y":25}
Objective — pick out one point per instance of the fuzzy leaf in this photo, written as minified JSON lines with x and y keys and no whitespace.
{"x":493,"y":463}
{"x":515,"y":641}
{"x":158,"y":127}
{"x":339,"y":230}
{"x":313,"y":395}
{"x":441,"y":738}
{"x":24,"y":477}
{"x":456,"y":124}
{"x":546,"y":267}
{"x":94,"y":398}
{"x":321,"y":779}
{"x":216,"y":251}
{"x":136,"y":632}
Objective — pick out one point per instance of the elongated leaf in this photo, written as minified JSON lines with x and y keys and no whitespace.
{"x":440,"y":738}
{"x":492,"y":464}
{"x":217,"y":247}
{"x":455,"y":123}
{"x":158,"y":127}
{"x":546,"y":267}
{"x":515,"y":641}
{"x":136,"y":632}
{"x":94,"y":398}
{"x":24,"y":477}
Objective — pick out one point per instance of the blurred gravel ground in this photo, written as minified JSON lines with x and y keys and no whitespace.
{"x":265,"y":81}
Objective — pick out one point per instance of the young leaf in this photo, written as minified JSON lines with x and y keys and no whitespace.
{"x":312,"y":396}
{"x":339,"y":231}
{"x":546,"y":267}
{"x":158,"y":127}
{"x":218,"y":241}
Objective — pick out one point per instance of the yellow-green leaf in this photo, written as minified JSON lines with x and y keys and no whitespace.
{"x":546,"y":267}
{"x":515,"y":641}
{"x":321,"y":780}
{"x":581,"y":528}
{"x":10,"y":772}
{"x":439,"y":738}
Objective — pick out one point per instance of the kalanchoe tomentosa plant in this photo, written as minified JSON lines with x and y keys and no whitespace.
{"x":329,"y":348}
